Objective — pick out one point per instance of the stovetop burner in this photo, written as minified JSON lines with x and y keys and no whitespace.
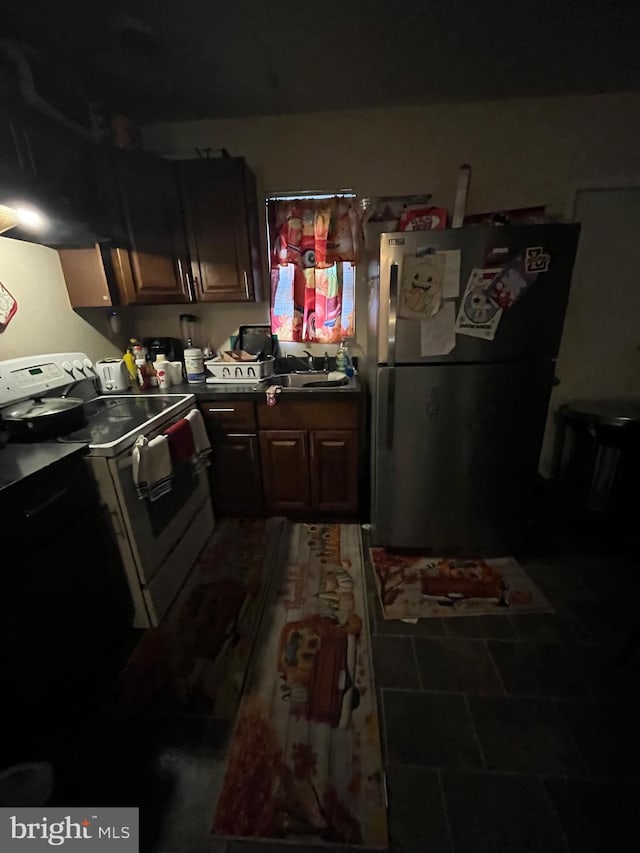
{"x":111,"y":418}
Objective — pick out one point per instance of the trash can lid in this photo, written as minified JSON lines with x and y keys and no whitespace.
{"x":623,"y":412}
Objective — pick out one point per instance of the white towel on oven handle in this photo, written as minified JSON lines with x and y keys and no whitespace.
{"x":201,"y":443}
{"x":152,"y":469}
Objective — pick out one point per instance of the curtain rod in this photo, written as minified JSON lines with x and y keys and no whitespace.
{"x":345,"y":193}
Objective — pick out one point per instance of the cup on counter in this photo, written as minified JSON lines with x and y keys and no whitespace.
{"x":175,"y":372}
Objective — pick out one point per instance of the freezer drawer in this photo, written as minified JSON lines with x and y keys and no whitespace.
{"x":456,"y":454}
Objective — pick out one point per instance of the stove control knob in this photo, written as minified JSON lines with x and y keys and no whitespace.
{"x":88,"y":364}
{"x":66,"y":365}
{"x":78,"y":365}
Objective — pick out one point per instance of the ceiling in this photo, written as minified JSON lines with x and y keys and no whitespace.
{"x":159,"y":60}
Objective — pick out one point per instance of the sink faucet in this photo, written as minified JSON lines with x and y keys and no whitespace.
{"x":309,"y":358}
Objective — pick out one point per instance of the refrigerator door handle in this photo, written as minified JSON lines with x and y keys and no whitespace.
{"x":393,"y":317}
{"x":393,"y":313}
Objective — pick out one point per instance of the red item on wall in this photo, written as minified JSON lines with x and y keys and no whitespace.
{"x":8,"y":307}
{"x":423,"y":219}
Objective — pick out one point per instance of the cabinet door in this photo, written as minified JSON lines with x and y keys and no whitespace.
{"x":221,"y":220}
{"x":85,"y":274}
{"x":152,"y":230}
{"x":236,"y":483}
{"x":334,"y":470}
{"x":285,"y":469}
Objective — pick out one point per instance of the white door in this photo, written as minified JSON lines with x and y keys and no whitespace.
{"x":600,"y":350}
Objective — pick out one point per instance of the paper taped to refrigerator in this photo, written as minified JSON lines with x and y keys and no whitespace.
{"x":479,"y":315}
{"x":437,"y":335}
{"x":421,"y":286}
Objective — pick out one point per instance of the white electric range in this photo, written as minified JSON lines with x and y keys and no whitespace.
{"x":158,"y":541}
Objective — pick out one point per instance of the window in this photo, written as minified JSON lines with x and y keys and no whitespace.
{"x":313,"y":249}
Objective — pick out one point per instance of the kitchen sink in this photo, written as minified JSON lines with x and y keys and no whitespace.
{"x":306,"y":381}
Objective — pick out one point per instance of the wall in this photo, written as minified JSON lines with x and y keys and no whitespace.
{"x":45,"y":322}
{"x":523,"y":152}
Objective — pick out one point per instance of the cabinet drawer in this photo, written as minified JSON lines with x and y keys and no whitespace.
{"x":46,"y":503}
{"x":228,"y":417}
{"x":308,"y":414}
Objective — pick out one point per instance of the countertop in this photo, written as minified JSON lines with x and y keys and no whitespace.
{"x":251,"y":392}
{"x":18,"y":461}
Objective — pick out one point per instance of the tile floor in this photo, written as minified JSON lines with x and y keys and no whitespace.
{"x":499,"y":733}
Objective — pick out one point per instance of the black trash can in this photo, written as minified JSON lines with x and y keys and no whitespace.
{"x":597,"y":461}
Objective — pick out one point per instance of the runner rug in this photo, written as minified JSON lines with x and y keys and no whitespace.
{"x":304,"y":762}
{"x":411,"y":586}
{"x":196,"y":660}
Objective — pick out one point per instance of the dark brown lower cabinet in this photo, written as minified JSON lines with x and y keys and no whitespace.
{"x":334,"y":470}
{"x":299,"y":458}
{"x":285,"y":470}
{"x":236,"y":484}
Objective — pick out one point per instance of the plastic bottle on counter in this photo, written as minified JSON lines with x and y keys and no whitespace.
{"x":162,"y":371}
{"x":153,"y":376}
{"x":194,"y":364}
{"x":142,"y":371}
{"x":130,"y":361}
{"x":342,"y":357}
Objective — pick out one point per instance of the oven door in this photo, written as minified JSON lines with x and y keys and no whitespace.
{"x":164,"y":536}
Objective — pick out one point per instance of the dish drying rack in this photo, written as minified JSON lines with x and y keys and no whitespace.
{"x":220,"y":372}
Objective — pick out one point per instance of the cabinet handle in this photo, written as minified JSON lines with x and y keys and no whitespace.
{"x":31,"y":513}
{"x":241,"y":435}
{"x":220,"y":410}
{"x":282,"y":443}
{"x":246,"y":283}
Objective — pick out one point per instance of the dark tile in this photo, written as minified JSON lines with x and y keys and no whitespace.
{"x":459,"y":666}
{"x":597,"y":817}
{"x":523,"y":736}
{"x":479,"y":627}
{"x":606,"y":622}
{"x":561,"y":581}
{"x":490,"y":813}
{"x":394,"y":662}
{"x":549,"y":627}
{"x":601,"y":670}
{"x":429,"y":729}
{"x":417,"y":820}
{"x":535,"y":669}
{"x":607,"y":733}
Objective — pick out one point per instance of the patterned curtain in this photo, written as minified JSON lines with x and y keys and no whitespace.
{"x":314,"y":246}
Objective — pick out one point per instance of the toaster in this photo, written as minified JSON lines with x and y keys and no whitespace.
{"x":112,"y":375}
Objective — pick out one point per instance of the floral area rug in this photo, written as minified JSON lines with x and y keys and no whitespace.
{"x":304,"y":761}
{"x":196,"y":660}
{"x":411,"y":586}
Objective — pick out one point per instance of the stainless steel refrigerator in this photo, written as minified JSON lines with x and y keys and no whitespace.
{"x":456,"y":433}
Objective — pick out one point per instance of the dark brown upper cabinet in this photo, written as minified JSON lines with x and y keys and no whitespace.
{"x":152,"y":258}
{"x":221,"y":219}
